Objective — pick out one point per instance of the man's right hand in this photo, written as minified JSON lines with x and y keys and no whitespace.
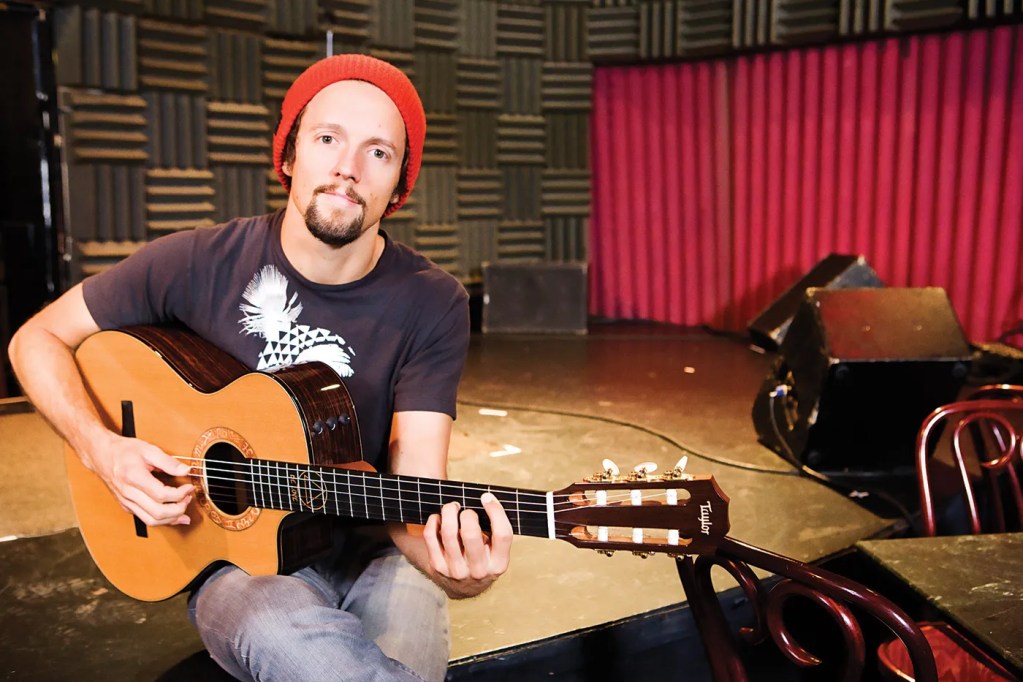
{"x":42,"y":355}
{"x":128,"y":467}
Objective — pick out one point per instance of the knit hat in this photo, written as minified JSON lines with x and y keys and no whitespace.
{"x":359,"y":67}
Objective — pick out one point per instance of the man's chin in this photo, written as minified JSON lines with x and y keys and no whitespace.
{"x":336,"y":235}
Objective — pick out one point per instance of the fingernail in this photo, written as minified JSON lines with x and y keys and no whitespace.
{"x":487,"y":497}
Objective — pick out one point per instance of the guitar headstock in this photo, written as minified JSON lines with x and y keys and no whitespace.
{"x":673,"y":513}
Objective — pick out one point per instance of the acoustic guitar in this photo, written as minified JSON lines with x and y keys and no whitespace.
{"x":275,"y":455}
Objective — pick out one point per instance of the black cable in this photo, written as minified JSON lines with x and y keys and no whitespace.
{"x":800,"y":470}
{"x":644,"y":429}
{"x":848,"y":491}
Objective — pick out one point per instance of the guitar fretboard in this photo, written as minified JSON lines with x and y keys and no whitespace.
{"x":354,"y":494}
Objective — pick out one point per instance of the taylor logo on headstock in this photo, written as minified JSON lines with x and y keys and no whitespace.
{"x":705,"y":523}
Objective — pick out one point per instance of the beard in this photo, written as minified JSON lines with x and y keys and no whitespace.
{"x":329,"y":227}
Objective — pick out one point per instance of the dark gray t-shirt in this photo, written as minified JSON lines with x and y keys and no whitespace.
{"x":397,"y":337}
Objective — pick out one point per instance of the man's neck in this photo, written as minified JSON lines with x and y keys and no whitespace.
{"x":324,"y":264}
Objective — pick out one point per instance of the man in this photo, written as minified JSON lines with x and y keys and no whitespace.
{"x":317,"y":280}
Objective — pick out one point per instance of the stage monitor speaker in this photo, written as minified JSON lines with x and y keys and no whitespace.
{"x":534,"y":297}
{"x":857,"y":373}
{"x":836,"y":271}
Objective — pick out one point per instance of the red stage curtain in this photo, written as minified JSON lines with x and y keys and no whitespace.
{"x":717,"y":184}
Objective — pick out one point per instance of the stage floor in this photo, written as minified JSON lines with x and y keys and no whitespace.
{"x":536,"y":412}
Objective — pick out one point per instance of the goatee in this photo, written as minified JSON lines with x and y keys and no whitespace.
{"x":335,"y":232}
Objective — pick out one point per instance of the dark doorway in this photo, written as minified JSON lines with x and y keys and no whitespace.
{"x":30,"y":206}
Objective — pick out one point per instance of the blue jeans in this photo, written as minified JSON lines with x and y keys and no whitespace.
{"x":364,"y":614}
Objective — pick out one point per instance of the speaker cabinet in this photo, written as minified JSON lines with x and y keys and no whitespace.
{"x":857,"y":373}
{"x":534,"y":297}
{"x":835,"y":271}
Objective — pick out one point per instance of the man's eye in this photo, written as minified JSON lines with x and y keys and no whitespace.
{"x":379,"y":154}
{"x":326,"y":139}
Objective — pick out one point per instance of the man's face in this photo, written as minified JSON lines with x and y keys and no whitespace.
{"x":348,"y":155}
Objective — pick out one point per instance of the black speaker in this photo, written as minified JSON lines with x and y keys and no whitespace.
{"x":836,"y":271}
{"x":534,"y":297}
{"x":857,"y":373}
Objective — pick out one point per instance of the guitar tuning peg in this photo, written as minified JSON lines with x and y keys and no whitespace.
{"x":643,"y":469}
{"x":680,"y":468}
{"x":606,"y":552}
{"x":643,"y":555}
{"x":610,"y":467}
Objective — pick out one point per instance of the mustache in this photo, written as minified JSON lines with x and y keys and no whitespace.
{"x":348,"y":192}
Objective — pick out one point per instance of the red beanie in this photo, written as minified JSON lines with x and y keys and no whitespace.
{"x":342,"y":67}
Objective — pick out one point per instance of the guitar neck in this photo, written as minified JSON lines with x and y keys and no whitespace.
{"x":370,"y":495}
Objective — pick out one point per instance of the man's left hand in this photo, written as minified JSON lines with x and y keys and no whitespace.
{"x":467,"y":560}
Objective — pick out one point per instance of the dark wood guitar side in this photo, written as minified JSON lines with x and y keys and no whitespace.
{"x":275,"y":455}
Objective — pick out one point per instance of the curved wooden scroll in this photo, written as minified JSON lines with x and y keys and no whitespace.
{"x":832,"y":592}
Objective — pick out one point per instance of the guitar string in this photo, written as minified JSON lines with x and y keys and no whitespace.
{"x":365,"y":476}
{"x":537,"y":507}
{"x":378,"y":512}
{"x":369,"y":502}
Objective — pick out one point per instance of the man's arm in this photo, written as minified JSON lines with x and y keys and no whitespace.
{"x":451,"y":549}
{"x":42,"y":355}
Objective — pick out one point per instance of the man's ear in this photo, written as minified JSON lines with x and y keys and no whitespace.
{"x":286,"y":167}
{"x":394,"y":198}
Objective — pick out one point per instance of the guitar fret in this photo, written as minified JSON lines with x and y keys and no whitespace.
{"x":276,"y":486}
{"x":255,"y":485}
{"x":352,"y":479}
{"x":309,"y":491}
{"x":293,"y":487}
{"x":518,"y":513}
{"x":337,"y":491}
{"x":247,"y":478}
{"x":283,"y":485}
{"x":265,"y":491}
{"x":271,"y":483}
{"x":419,"y":501}
{"x":364,"y":503}
{"x":401,"y":512}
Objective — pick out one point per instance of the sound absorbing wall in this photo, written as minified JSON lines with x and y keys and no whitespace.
{"x":168,"y":107}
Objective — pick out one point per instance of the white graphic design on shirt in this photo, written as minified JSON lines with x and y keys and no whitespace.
{"x":269,"y":313}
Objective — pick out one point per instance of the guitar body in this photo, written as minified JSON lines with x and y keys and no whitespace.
{"x":190,"y":400}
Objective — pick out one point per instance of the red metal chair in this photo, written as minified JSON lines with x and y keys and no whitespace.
{"x":968,"y":464}
{"x":981,"y":437}
{"x":839,"y":597}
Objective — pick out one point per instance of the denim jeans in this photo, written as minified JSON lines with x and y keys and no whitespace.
{"x":364,"y":614}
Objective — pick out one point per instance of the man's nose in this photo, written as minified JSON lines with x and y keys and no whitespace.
{"x":348,"y":164}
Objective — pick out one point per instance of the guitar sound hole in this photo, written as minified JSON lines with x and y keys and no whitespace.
{"x":228,"y":476}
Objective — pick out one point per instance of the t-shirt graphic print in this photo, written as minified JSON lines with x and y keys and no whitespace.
{"x":268,"y":312}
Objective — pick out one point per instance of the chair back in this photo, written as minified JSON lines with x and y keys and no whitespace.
{"x":969,"y":452}
{"x":840,"y":598}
